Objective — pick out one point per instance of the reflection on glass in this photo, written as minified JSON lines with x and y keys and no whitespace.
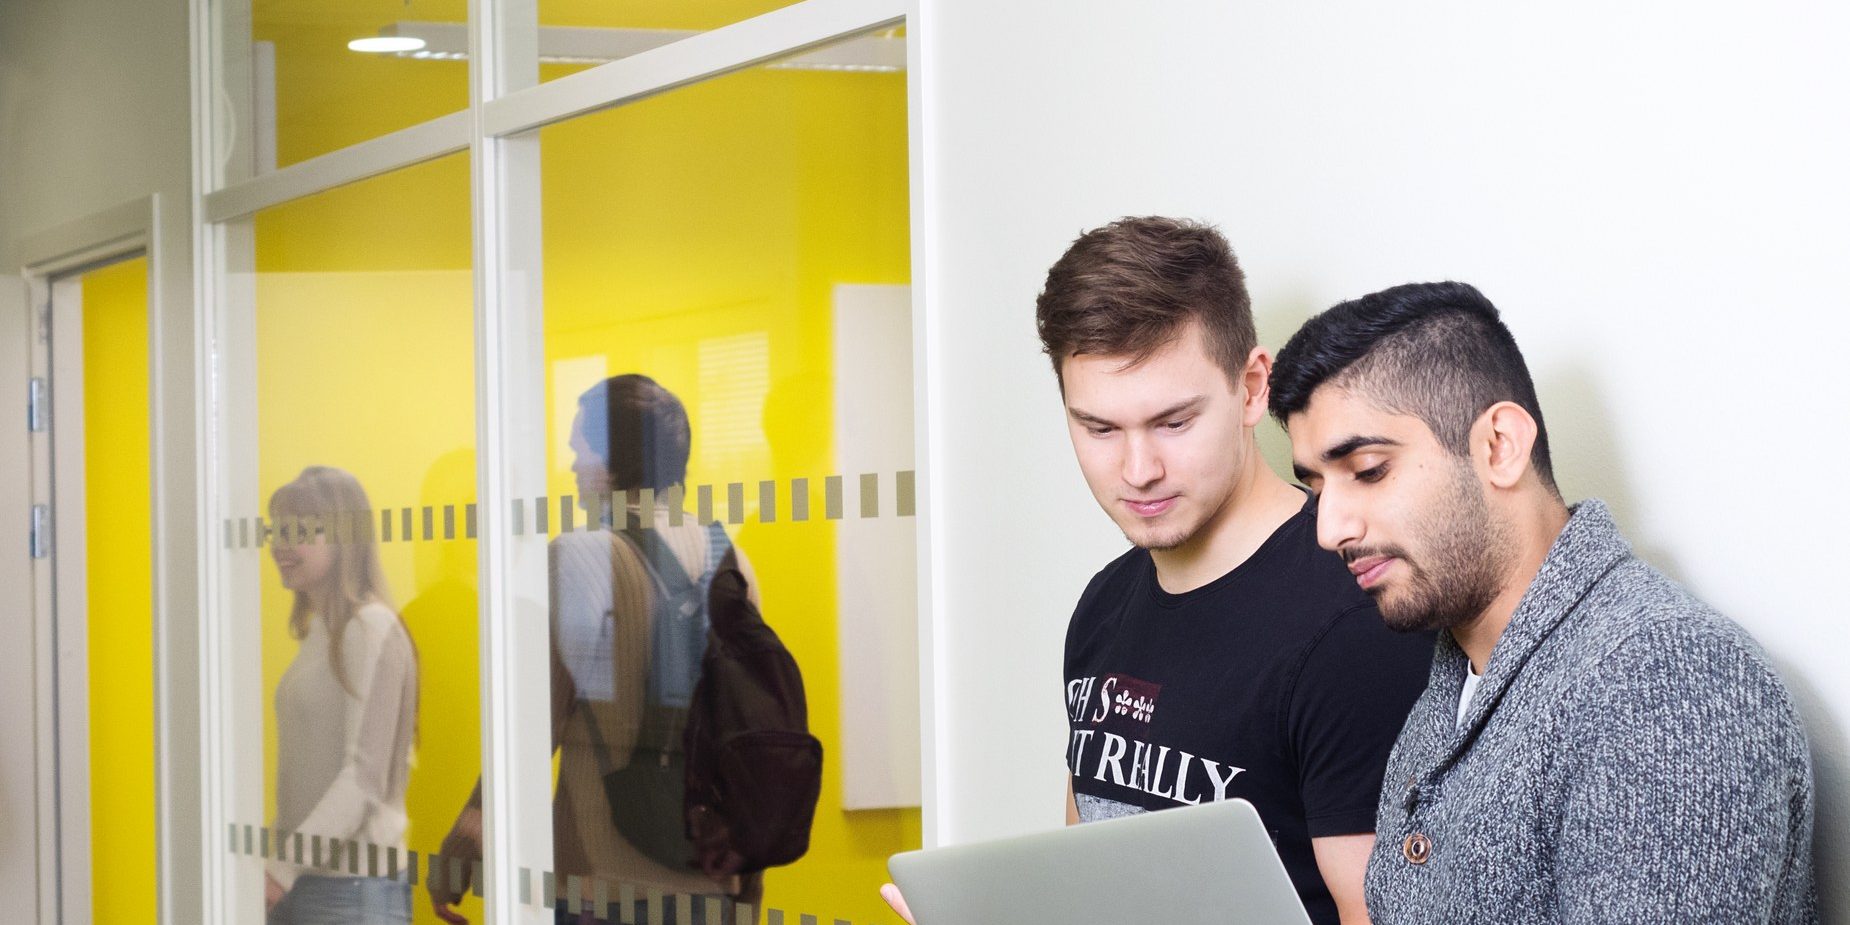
{"x":630,"y":621}
{"x":728,"y":413}
{"x":357,"y":370}
{"x":576,"y":34}
{"x":346,"y":708}
{"x":769,"y":296}
{"x":325,"y":74}
{"x":317,"y":93}
{"x":684,"y":763}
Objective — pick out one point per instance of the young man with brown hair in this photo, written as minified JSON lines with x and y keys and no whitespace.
{"x":1225,"y":655}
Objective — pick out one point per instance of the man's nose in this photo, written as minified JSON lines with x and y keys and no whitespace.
{"x":1143,"y":465}
{"x":1339,"y":523}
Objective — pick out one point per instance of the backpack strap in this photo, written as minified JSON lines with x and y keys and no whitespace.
{"x":598,"y":747}
{"x":720,"y":554}
{"x":666,"y":569}
{"x":669,"y":574}
{"x":662,"y":725}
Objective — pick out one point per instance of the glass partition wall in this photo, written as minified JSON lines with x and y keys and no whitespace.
{"x":352,"y":723}
{"x":728,"y":351}
{"x":517,"y":427}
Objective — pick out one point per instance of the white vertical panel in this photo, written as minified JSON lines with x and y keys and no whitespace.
{"x":44,"y":628}
{"x":511,"y":463}
{"x":70,"y":616}
{"x":929,"y":436}
{"x":212,"y":726}
{"x":19,"y":856}
{"x":243,"y":711}
{"x":876,"y":558}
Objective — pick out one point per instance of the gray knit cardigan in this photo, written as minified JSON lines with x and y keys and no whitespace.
{"x":1630,"y":756}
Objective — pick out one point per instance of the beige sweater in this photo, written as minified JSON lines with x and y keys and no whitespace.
{"x":342,"y":760}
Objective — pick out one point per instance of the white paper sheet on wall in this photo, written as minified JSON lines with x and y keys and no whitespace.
{"x":876,"y":558}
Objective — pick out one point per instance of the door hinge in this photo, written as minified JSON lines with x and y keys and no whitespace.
{"x":35,"y":405}
{"x":41,"y":531}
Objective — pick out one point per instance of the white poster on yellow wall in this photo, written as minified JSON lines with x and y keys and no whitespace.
{"x":877,"y":557}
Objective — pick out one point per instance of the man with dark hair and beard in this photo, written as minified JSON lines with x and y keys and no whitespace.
{"x":1594,"y":744}
{"x":1223,"y":655}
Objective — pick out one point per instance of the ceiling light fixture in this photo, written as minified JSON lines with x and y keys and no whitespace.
{"x":387,"y":44}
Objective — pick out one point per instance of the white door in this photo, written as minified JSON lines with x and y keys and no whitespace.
{"x":55,"y":438}
{"x":54,"y":640}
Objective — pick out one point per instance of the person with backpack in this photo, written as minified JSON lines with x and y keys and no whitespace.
{"x":685,"y":763}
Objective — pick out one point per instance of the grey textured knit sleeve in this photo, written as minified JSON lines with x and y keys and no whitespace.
{"x":1681,"y":798}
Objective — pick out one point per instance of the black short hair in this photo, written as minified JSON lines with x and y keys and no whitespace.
{"x":1437,"y":351}
{"x":639,"y":429}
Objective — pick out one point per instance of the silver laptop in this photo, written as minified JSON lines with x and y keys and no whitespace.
{"x":1199,"y":865}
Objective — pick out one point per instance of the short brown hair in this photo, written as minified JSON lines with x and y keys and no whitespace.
{"x":1127,"y":289}
{"x":639,"y":429}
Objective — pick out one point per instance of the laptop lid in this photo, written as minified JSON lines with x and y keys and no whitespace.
{"x":1211,"y":864}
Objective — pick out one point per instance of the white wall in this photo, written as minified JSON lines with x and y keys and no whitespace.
{"x":94,"y":112}
{"x":1654,"y":195}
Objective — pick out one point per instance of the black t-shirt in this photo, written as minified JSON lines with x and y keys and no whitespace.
{"x":1276,"y":683}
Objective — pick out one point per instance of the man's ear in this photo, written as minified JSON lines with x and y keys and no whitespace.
{"x":1255,"y":382}
{"x":1500,"y":442}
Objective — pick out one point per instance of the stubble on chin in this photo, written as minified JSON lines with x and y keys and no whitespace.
{"x":1157,"y":537}
{"x":1158,"y":542}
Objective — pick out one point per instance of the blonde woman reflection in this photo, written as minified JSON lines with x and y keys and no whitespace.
{"x":346,"y":709}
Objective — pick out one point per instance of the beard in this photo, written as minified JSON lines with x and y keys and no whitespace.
{"x":1160,"y":542}
{"x":1459,"y":569}
{"x":1163,"y":539}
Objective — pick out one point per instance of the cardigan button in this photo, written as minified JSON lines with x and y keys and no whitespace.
{"x":1417,"y":849}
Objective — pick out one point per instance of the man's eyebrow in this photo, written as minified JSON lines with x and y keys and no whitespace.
{"x":1169,"y":412}
{"x":1177,"y":408}
{"x":1352,"y":444}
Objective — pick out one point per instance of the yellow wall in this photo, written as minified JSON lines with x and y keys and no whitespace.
{"x":119,"y":584}
{"x":722,"y":210}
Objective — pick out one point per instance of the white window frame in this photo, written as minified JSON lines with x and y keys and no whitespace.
{"x":507,"y":105}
